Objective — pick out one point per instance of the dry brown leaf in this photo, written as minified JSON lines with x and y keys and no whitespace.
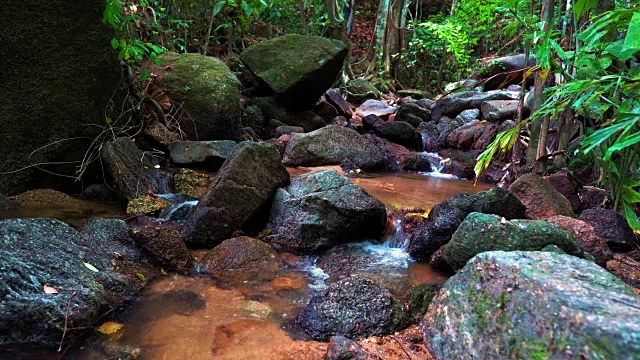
{"x":50,"y":290}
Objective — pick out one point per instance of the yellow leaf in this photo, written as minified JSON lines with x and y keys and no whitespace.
{"x":49,"y":290}
{"x":90,"y":267}
{"x":110,"y":328}
{"x":141,"y":277}
{"x":544,"y":74}
{"x":530,"y":71}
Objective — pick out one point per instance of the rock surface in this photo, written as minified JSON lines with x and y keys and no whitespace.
{"x":402,"y":133}
{"x":240,"y":192}
{"x":533,"y":305}
{"x":376,"y":107}
{"x":611,"y":227}
{"x":334,"y":98}
{"x":164,"y":245}
{"x":204,"y":153}
{"x":209,"y":94}
{"x":567,"y":186}
{"x":586,"y":236}
{"x":499,"y":110}
{"x":322,"y":209}
{"x":540,"y":197}
{"x":134,"y":172}
{"x":299,"y":69}
{"x":342,"y":348}
{"x":413,"y":114}
{"x":474,"y":135}
{"x":445,"y":218}
{"x":503,"y":65}
{"x":332,"y":145}
{"x":483,"y":232}
{"x":355,"y":307}
{"x":454,"y":104}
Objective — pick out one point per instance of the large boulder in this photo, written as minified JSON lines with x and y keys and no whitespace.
{"x":612,"y":228}
{"x":586,"y":236}
{"x":210,"y":154}
{"x":533,"y":305}
{"x":332,"y":145}
{"x":454,"y":104}
{"x":35,"y":253}
{"x":237,"y":196}
{"x":209,"y":95}
{"x":134,"y":173}
{"x":413,"y":114}
{"x":164,"y":245}
{"x":322,"y":209}
{"x":540,"y":197}
{"x":474,"y":135}
{"x":484,"y":232}
{"x":49,"y":97}
{"x":499,"y":110}
{"x":402,"y":133}
{"x":567,"y":186}
{"x":334,"y":98}
{"x":445,"y":218}
{"x":502,"y":66}
{"x":355,"y":307}
{"x":299,"y":69}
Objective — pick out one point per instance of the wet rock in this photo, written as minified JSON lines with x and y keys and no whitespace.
{"x":39,"y":252}
{"x":146,"y":205}
{"x":322,"y":209}
{"x":252,"y":117}
{"x":438,"y":262}
{"x":209,"y":95}
{"x":280,"y":143}
{"x":239,"y":259}
{"x":412,"y":93}
{"x":98,"y":192}
{"x":5,"y":203}
{"x":325,"y":110}
{"x":413,"y":114}
{"x":342,"y":348}
{"x":612,"y":228}
{"x":189,"y":182}
{"x":468,"y":84}
{"x":209,"y":154}
{"x":474,"y":135}
{"x":514,"y":87}
{"x":468,"y":115}
{"x":540,"y":197}
{"x":454,"y":104}
{"x":592,"y":197}
{"x":64,"y":104}
{"x":270,"y":109}
{"x":288,"y":130}
{"x":308,"y":120}
{"x":376,"y":107}
{"x":339,"y":120}
{"x":355,"y":307}
{"x":299,"y":69}
{"x":134,"y":173}
{"x":499,"y":110}
{"x":401,"y":133}
{"x":165,"y":246}
{"x":530,"y":305}
{"x":445,"y":127}
{"x":334,"y":98}
{"x":418,"y":300}
{"x":332,"y":145}
{"x":567,"y":186}
{"x":237,"y":196}
{"x":372,"y":122}
{"x":504,"y":65}
{"x":483,"y":232}
{"x":425,"y":103}
{"x":586,"y":236}
{"x":445,"y":218}
{"x":626,"y":268}
{"x":360,"y":89}
{"x":415,"y":162}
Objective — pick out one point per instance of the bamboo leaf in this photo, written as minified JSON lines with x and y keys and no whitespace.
{"x":583,"y":6}
{"x":632,"y":40}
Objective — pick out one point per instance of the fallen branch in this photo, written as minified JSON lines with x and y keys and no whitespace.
{"x":66,"y":320}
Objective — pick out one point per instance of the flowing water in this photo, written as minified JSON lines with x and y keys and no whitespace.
{"x":198,"y":317}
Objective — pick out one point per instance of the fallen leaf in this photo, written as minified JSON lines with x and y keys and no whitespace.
{"x":110,"y":328}
{"x":90,"y":267}
{"x":141,"y":277}
{"x":284,"y":77}
{"x":49,"y":290}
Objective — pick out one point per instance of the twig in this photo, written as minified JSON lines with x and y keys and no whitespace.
{"x":66,"y":319}
{"x":406,"y":351}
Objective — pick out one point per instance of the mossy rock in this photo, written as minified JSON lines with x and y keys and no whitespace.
{"x":533,"y":305}
{"x":58,"y":74}
{"x":209,"y":94}
{"x":360,"y":90}
{"x":299,"y":69}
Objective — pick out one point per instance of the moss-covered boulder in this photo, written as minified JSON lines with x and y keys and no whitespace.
{"x":209,"y":95}
{"x":540,"y":197}
{"x":58,"y":74}
{"x":299,"y":69}
{"x":533,"y":305}
{"x":483,"y":232}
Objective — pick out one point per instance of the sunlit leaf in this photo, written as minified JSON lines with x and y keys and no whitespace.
{"x":90,"y":267}
{"x":583,"y":6}
{"x":110,"y":328}
{"x":632,"y":39}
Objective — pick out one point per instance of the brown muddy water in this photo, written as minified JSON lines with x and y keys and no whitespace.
{"x":180,"y":317}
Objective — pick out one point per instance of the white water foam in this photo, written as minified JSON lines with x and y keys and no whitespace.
{"x":437,"y":166}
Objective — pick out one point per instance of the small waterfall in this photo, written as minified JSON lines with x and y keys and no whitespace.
{"x":437,"y":166}
{"x":180,"y":208}
{"x":398,"y":238}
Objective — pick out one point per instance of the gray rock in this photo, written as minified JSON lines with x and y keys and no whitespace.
{"x":533,"y":305}
{"x":540,"y":197}
{"x":499,"y":110}
{"x":413,"y":114}
{"x":412,"y":93}
{"x":355,"y":307}
{"x":204,"y":153}
{"x":133,"y":171}
{"x":288,"y":130}
{"x":468,"y":115}
{"x":402,"y":133}
{"x":376,"y":107}
{"x":612,"y":228}
{"x":341,"y":348}
{"x":308,"y":120}
{"x":332,"y":145}
{"x":239,"y":193}
{"x":325,"y":110}
{"x":504,"y":65}
{"x":299,"y":69}
{"x":165,"y":246}
{"x":445,"y":126}
{"x":334,"y":98}
{"x":454,"y":104}
{"x":473,"y":135}
{"x":484,"y":232}
{"x":322,"y":209}
{"x":270,"y":109}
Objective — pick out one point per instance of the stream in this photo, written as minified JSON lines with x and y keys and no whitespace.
{"x":235,"y":317}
